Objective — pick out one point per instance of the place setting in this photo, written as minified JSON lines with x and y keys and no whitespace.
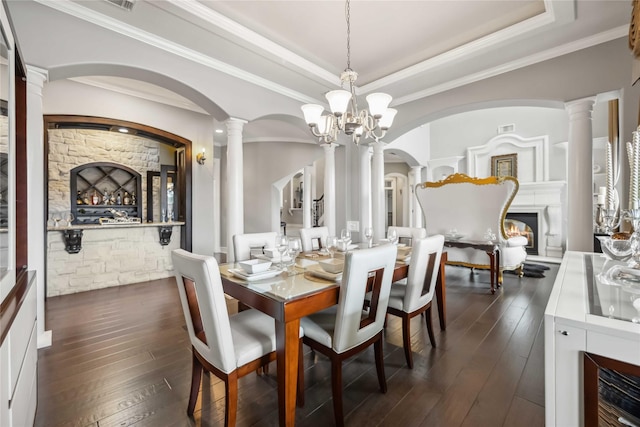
{"x":255,"y":269}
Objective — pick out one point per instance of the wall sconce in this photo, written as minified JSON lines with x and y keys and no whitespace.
{"x":200,"y":158}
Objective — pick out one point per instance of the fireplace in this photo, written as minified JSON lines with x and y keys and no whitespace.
{"x":524,"y":224}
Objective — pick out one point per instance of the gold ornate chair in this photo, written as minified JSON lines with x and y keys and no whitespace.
{"x":471,"y":206}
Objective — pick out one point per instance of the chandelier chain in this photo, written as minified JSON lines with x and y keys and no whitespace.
{"x":348,"y":15}
{"x":345,"y":116}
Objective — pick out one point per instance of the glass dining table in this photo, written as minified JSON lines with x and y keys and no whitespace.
{"x":289,"y":295}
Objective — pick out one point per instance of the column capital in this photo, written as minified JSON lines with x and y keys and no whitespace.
{"x":329,"y":148}
{"x":580,"y":106}
{"x":378,"y":147}
{"x":36,"y":78}
{"x":36,"y":72}
{"x":236,"y":120}
{"x":234,"y":125}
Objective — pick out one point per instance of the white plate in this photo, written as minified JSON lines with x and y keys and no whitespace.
{"x":316,"y":270}
{"x":453,"y":236}
{"x":305,"y":263}
{"x":238,"y":272}
{"x":404,"y":258}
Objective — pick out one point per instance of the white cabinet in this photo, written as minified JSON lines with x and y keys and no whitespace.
{"x":18,"y":365}
{"x":574,"y":324}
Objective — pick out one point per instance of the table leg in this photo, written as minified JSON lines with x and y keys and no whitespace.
{"x":492,"y":272}
{"x":288,"y":345}
{"x":441,"y":293}
{"x":498,"y":275}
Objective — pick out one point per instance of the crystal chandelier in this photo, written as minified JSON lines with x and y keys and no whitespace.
{"x":345,"y":116}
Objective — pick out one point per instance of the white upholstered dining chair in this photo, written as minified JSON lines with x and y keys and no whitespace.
{"x":408,"y":234}
{"x":313,"y":238}
{"x":230,"y":347}
{"x":244,"y":244}
{"x":346,"y":329}
{"x":414,"y":298}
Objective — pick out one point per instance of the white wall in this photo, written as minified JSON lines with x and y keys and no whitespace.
{"x":264,"y":164}
{"x":452,"y":135}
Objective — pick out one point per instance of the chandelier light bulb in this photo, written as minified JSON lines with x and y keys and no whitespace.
{"x":323,"y":124}
{"x":312,"y":113}
{"x":378,"y":104}
{"x":338,"y":101}
{"x":387,"y":119}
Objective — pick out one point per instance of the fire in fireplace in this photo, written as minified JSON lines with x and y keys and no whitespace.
{"x":524,"y":224}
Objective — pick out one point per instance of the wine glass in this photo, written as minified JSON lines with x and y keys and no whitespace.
{"x":56,"y":218}
{"x":69,"y":219}
{"x":282,"y":244}
{"x":345,"y":235}
{"x":295,"y":247}
{"x":332,"y":245}
{"x":636,"y":305}
{"x":368,"y":234}
{"x":392,"y":235}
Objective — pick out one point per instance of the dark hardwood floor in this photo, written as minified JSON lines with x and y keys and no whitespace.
{"x":121,"y":356}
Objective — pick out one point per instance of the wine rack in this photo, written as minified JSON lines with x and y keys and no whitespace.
{"x":97,"y":178}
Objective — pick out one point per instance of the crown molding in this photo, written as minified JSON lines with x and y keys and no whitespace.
{"x":520,"y":63}
{"x":552,"y":15}
{"x":236,"y":30}
{"x":88,"y":15}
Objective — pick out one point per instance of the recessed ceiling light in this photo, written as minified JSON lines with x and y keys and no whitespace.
{"x":219,"y":131}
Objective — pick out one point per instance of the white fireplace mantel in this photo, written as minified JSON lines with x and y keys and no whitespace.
{"x":547,"y":200}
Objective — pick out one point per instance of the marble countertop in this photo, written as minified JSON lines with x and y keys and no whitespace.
{"x":109,"y":226}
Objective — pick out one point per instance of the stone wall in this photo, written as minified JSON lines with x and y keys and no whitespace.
{"x":109,"y":257}
{"x":69,"y":148}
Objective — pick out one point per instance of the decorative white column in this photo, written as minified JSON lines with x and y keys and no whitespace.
{"x":216,"y":203}
{"x":377,"y":191}
{"x":330,"y":187}
{"x":235,"y":183}
{"x":306,"y":198}
{"x":579,"y":175}
{"x":36,"y":220}
{"x":415,"y":177}
{"x":365,"y":189}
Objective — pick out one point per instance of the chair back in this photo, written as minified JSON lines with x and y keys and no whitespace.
{"x":423,"y":272}
{"x":408,"y":233}
{"x":311,"y":235}
{"x":244,"y":244}
{"x":353,"y":325}
{"x":205,"y":308}
{"x":470,"y":205}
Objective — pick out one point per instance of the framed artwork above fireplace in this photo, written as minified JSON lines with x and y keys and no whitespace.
{"x":505,"y":165}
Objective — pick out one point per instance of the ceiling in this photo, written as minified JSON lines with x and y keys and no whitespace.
{"x":295,"y":50}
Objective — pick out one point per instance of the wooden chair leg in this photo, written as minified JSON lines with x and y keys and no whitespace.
{"x":406,"y":340}
{"x":336,"y":385}
{"x":427,"y":316}
{"x":231,"y":399}
{"x":300,"y":392}
{"x":377,"y":349}
{"x":196,"y":378}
